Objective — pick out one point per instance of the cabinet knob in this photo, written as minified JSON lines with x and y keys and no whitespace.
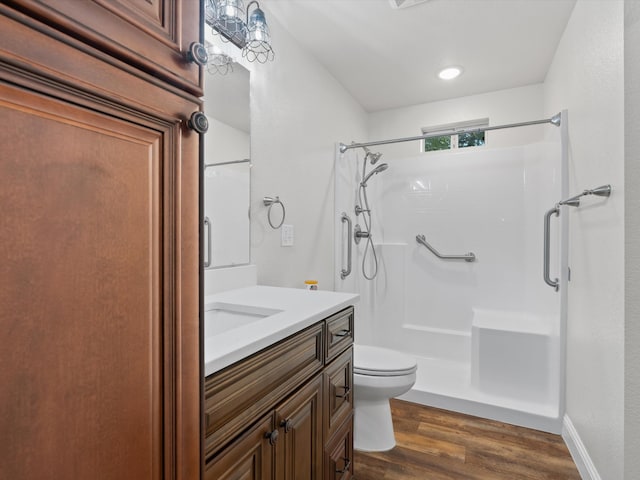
{"x":347,"y":465}
{"x":197,"y":53}
{"x":287,"y":424}
{"x":272,"y":436}
{"x":198,"y":122}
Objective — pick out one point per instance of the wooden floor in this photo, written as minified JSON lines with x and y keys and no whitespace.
{"x":435,"y":444}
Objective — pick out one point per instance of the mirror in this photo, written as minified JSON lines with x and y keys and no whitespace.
{"x":227,"y":193}
{"x":227,"y":174}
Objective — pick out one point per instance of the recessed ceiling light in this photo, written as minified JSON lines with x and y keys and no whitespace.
{"x":449,"y":73}
{"x":396,"y":4}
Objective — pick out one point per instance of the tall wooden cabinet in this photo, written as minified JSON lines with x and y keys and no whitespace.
{"x":99,"y":238}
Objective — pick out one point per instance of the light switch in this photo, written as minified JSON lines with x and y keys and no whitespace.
{"x":286,"y":236}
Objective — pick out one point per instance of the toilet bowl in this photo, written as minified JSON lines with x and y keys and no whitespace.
{"x":378,"y":375}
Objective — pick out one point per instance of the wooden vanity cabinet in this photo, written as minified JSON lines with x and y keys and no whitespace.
{"x":285,"y":444}
{"x":306,"y":394}
{"x":239,"y":394}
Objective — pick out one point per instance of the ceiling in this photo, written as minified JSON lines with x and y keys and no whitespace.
{"x":388,"y":58}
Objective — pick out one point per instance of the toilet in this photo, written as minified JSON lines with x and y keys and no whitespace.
{"x":379,"y":374}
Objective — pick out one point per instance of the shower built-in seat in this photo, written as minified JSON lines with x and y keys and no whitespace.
{"x":512,"y":354}
{"x":379,"y":374}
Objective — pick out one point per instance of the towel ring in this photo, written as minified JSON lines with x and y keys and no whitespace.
{"x":270,"y":202}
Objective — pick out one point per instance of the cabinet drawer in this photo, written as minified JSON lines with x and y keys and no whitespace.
{"x":240,"y":393}
{"x":338,"y":395}
{"x":339,"y":333}
{"x":338,"y":463}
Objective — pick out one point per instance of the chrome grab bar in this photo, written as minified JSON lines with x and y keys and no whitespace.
{"x":345,"y":273}
{"x":467,"y":257}
{"x":207,"y":225}
{"x":547,"y":241}
{"x":601,"y":191}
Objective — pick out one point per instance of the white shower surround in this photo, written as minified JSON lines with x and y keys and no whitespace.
{"x":487,"y":335}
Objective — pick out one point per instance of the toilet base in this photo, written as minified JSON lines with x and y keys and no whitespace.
{"x":373,"y":427}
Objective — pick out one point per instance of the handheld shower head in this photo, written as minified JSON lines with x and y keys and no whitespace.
{"x":380,"y":168}
{"x":373,"y":157}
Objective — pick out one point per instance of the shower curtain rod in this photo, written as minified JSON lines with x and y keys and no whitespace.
{"x":555,"y":120}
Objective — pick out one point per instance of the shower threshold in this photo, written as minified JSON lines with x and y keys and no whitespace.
{"x":447,"y":384}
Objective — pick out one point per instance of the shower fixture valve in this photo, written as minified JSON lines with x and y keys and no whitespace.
{"x":360,"y":210}
{"x":358,"y":233}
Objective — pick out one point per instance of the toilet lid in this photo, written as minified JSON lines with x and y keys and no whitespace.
{"x":368,"y":360}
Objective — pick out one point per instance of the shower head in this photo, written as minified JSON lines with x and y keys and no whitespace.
{"x":601,"y":191}
{"x":380,"y":168}
{"x":373,"y":157}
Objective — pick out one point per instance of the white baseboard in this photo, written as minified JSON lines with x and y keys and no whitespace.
{"x":578,"y":451}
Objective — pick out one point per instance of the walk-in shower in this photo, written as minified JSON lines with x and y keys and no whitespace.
{"x":458,"y":238}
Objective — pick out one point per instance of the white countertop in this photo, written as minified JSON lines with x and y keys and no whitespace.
{"x":299,"y":308}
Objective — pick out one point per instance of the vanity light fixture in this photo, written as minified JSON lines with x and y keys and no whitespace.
{"x":251,"y":35}
{"x":218,"y":62}
{"x":450,"y":73}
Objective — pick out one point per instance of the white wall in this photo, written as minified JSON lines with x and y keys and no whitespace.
{"x":298,"y":113}
{"x":632,"y":234}
{"x":586,"y":77}
{"x":501,"y":107}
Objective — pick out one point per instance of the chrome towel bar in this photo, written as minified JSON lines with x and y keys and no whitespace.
{"x":467,"y":257}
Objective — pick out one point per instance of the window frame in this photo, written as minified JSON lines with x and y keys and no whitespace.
{"x":452,"y":130}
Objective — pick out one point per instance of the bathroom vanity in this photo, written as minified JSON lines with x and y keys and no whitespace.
{"x":284,"y":410}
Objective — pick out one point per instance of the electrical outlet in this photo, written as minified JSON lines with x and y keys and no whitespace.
{"x":286,"y":236}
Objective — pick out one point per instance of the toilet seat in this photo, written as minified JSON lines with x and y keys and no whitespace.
{"x":381,"y":362}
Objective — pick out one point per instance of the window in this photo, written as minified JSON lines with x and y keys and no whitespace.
{"x":454,"y":135}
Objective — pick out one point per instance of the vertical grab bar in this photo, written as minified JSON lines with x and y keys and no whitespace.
{"x":207,"y":226}
{"x":547,"y":241}
{"x":345,"y":273}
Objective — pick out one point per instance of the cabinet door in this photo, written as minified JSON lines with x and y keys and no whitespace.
{"x":299,"y":450}
{"x":99,"y":274}
{"x":339,"y":453}
{"x":152,"y":35}
{"x":251,"y":457}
